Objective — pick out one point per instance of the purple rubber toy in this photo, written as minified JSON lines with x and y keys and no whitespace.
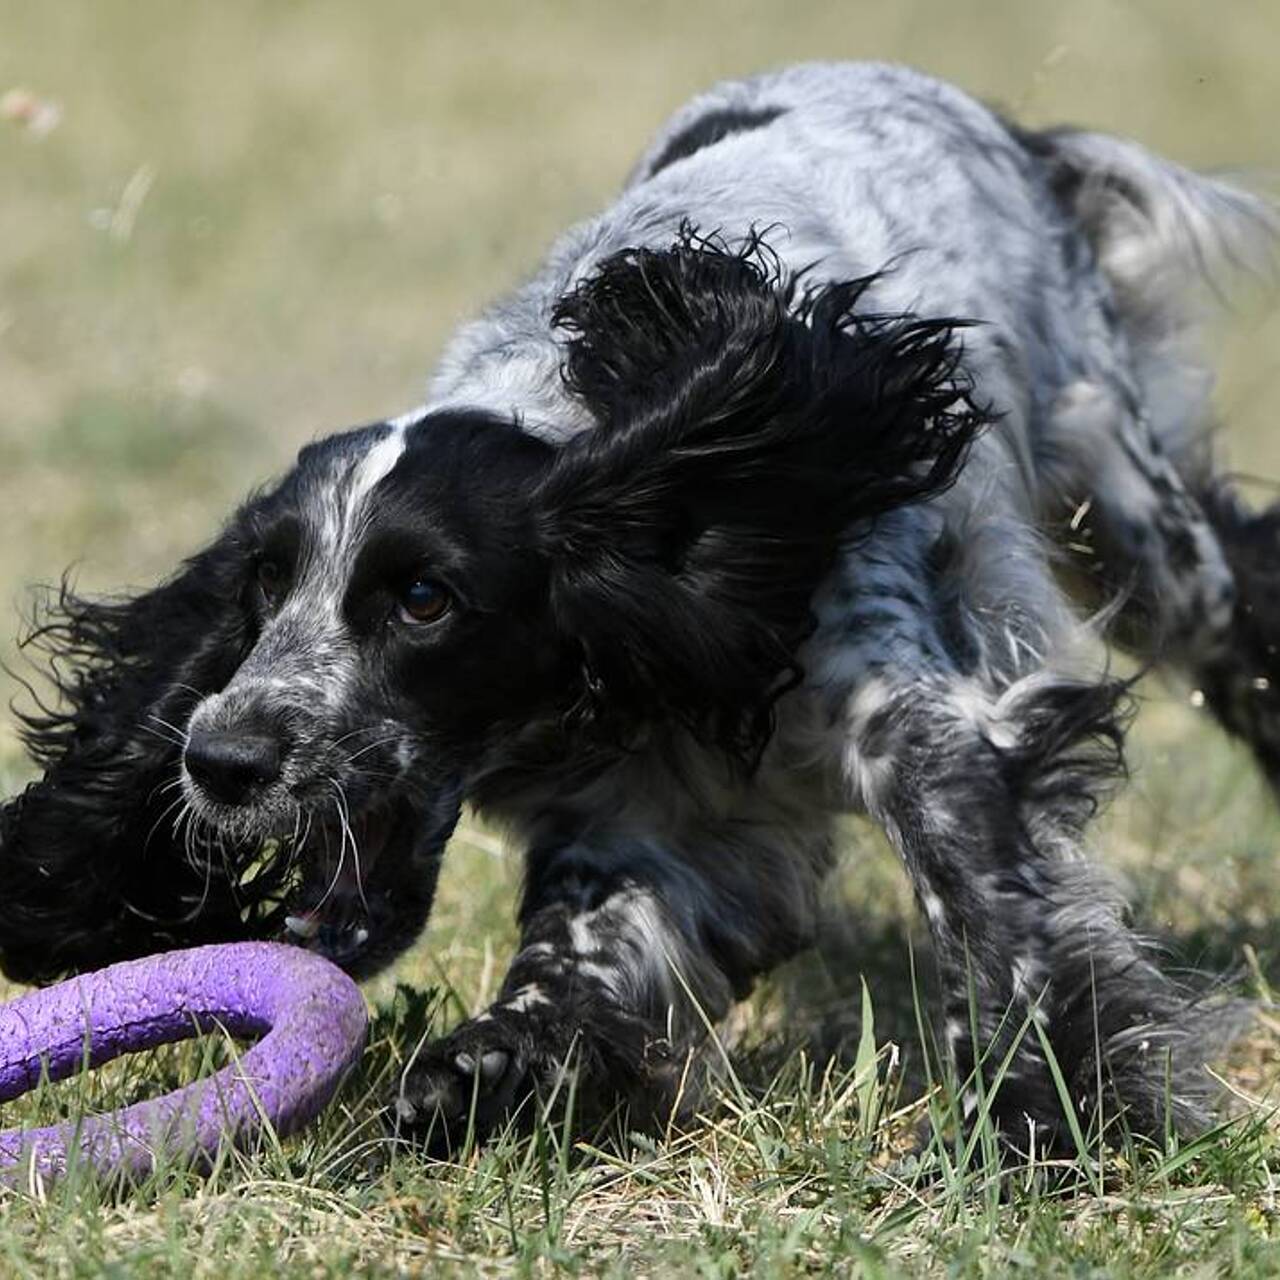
{"x":310,"y":1015}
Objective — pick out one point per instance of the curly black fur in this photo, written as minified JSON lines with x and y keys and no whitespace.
{"x":93,"y":868}
{"x":744,"y":436}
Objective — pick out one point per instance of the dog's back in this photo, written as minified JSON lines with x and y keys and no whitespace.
{"x":1078,"y":254}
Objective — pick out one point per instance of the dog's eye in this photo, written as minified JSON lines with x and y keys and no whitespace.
{"x":425,"y":600}
{"x":272,"y":578}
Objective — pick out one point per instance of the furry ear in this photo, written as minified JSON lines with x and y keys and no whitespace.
{"x":746,"y":431}
{"x":92,"y":858}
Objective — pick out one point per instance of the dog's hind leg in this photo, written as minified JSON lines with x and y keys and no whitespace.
{"x":1170,"y":245}
{"x":1240,"y":677}
{"x":630,"y":950}
{"x":1132,"y":530}
{"x":1196,"y":571}
{"x":985,"y":780}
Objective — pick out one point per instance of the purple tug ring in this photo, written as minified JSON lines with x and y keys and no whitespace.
{"x":310,"y":1015}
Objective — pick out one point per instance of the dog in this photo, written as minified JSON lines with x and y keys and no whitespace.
{"x":796,"y":483}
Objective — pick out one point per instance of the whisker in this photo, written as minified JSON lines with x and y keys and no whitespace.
{"x":166,"y":732}
{"x":169,"y":808}
{"x":337,"y":872}
{"x":355,"y":854}
{"x":296,"y":852}
{"x":354,"y":733}
{"x":207,"y":876}
{"x":372,"y":746}
{"x":344,"y":816}
{"x":161,"y":788}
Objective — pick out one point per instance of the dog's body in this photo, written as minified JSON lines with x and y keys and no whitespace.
{"x":694,"y":546}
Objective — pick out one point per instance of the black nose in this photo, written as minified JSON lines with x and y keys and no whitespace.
{"x":232,"y":766}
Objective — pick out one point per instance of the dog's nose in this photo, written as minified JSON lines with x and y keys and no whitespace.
{"x":232,"y":766}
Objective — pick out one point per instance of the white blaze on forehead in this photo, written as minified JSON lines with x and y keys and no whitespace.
{"x":305,"y":648}
{"x":377,"y":463}
{"x":409,"y":419}
{"x":344,"y":503}
{"x":348,"y":506}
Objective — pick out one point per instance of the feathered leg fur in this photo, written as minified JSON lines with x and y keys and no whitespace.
{"x":630,"y":951}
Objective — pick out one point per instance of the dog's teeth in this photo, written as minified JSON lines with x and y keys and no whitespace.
{"x":362,"y":936}
{"x":305,"y":927}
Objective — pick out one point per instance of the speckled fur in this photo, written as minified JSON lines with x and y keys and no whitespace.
{"x":948,"y":689}
{"x":948,"y":685}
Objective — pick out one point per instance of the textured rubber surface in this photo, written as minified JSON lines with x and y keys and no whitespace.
{"x":310,"y":1015}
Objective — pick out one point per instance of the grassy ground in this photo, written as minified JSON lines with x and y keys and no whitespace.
{"x":254,"y":223}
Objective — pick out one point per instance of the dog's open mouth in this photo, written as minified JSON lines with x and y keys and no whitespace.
{"x":327,"y":889}
{"x":335,"y":908}
{"x":353,"y":886}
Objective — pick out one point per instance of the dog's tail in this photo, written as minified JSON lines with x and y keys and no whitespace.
{"x":1158,"y":229}
{"x":1172,"y":244}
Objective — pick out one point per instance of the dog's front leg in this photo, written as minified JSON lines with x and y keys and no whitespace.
{"x":630,"y":950}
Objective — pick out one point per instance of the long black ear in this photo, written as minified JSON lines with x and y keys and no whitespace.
{"x":746,"y":430}
{"x":91,"y":865}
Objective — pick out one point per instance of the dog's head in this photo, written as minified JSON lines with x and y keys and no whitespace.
{"x":281,"y":736}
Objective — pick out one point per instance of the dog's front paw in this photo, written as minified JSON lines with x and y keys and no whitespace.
{"x":475,"y":1080}
{"x":514,"y":1061}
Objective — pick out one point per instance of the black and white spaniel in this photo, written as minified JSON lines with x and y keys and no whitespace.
{"x":761,"y":503}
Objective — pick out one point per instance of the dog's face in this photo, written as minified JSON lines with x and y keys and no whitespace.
{"x":425,"y":606}
{"x":396,"y":623}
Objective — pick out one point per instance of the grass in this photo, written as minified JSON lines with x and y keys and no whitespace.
{"x":257,"y":222}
